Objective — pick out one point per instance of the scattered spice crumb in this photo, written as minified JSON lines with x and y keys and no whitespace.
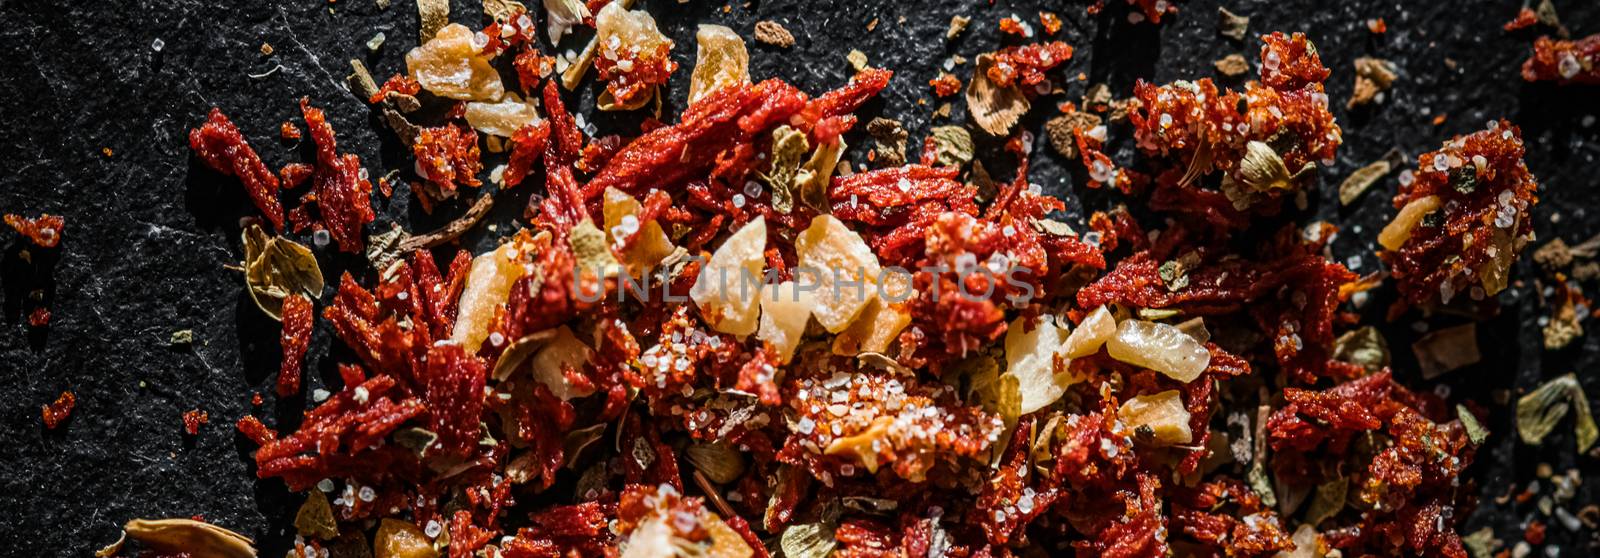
{"x":1051,"y":22}
{"x":1377,"y":26}
{"x":945,"y":85}
{"x":1231,"y":25}
{"x":192,"y":419}
{"x":55,"y":413}
{"x":107,"y":151}
{"x":289,"y":131}
{"x":1554,"y":256}
{"x":266,"y":49}
{"x":39,"y":317}
{"x":871,"y":25}
{"x":772,"y":33}
{"x":1233,"y":65}
{"x":857,"y":59}
{"x":957,"y":25}
{"x":44,"y":231}
{"x":1374,"y":76}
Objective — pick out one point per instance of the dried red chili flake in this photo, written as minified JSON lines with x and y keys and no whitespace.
{"x":532,"y":66}
{"x":1564,"y":62}
{"x":1151,"y":9}
{"x":220,"y":145}
{"x":453,"y":386}
{"x":296,"y":338}
{"x":377,"y":339}
{"x":945,"y":85}
{"x":1050,"y":21}
{"x":527,"y":147}
{"x":1525,"y":18}
{"x":192,"y":419}
{"x":57,"y":412}
{"x":289,"y":131}
{"x":466,"y":538}
{"x":1025,"y":65}
{"x":1010,"y":25}
{"x":1377,"y":26}
{"x":516,"y":29}
{"x":1290,"y":62}
{"x":257,"y":432}
{"x":1482,"y":196}
{"x":39,"y":317}
{"x":341,"y":438}
{"x":343,"y":194}
{"x":1139,"y":532}
{"x":294,"y":174}
{"x":398,"y":83}
{"x":447,"y":156}
{"x":44,"y":231}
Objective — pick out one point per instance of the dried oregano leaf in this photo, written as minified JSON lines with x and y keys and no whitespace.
{"x":195,"y":538}
{"x":812,"y":179}
{"x":501,"y":10}
{"x":1328,"y":500}
{"x":789,"y":147}
{"x":807,"y":540}
{"x":1540,"y":410}
{"x":276,"y":267}
{"x":519,"y":351}
{"x":952,"y":146}
{"x":1363,"y":346}
{"x":1447,"y":349}
{"x":578,"y":440}
{"x":1475,"y":430}
{"x":315,"y":518}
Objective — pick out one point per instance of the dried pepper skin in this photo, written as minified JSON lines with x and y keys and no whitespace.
{"x":43,"y":231}
{"x":1024,"y":66}
{"x":448,"y":156}
{"x":1486,"y":195}
{"x":527,"y":148}
{"x":453,"y":386}
{"x":58,"y":411}
{"x":343,"y":195}
{"x":192,"y":419}
{"x":340,"y":438}
{"x":1564,"y":62}
{"x":399,"y":83}
{"x":219,"y":144}
{"x":295,"y":339}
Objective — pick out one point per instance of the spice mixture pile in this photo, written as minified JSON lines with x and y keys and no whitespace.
{"x":722,"y":337}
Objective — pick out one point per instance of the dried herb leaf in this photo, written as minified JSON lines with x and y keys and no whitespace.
{"x":1363,"y":346}
{"x":182,"y":337}
{"x":1475,"y":430}
{"x":383,"y":249}
{"x":720,"y":462}
{"x":276,"y":267}
{"x":434,"y":15}
{"x":812,"y":179}
{"x":196,"y":538}
{"x":578,"y":440}
{"x":1373,"y":77}
{"x":866,"y":504}
{"x":1540,"y":410}
{"x":1062,"y":131}
{"x":890,"y":139}
{"x":996,"y":109}
{"x":958,"y":24}
{"x":501,"y":10}
{"x":721,"y":61}
{"x":1262,"y":169}
{"x":807,"y":540}
{"x":1364,"y":177}
{"x":1328,"y":500}
{"x":360,"y":81}
{"x":415,"y":439}
{"x":1231,"y":25}
{"x":952,"y":146}
{"x":1482,"y":543}
{"x":789,"y":147}
{"x":1447,"y":349}
{"x":315,"y":518}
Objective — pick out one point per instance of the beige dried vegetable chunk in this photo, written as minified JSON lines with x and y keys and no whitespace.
{"x":1397,"y":232}
{"x":842,"y":267}
{"x":721,"y":61}
{"x":196,"y":538}
{"x":401,"y":539}
{"x":1031,"y":358}
{"x":1097,"y":328}
{"x":626,"y":37}
{"x":450,"y":66}
{"x":1159,"y":347}
{"x":728,"y":287}
{"x":502,"y":118}
{"x":785,"y":312}
{"x":1162,"y":414}
{"x":650,"y":243}
{"x":550,"y":363}
{"x":863,"y":447}
{"x":488,"y":284}
{"x":881,"y":321}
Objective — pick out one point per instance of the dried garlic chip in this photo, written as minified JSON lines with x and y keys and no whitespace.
{"x":1476,"y":432}
{"x":502,"y":10}
{"x":1097,"y":328}
{"x":276,"y":267}
{"x":878,"y":325}
{"x":1397,"y":232}
{"x":728,"y":286}
{"x":785,"y":312}
{"x":843,"y":268}
{"x":450,"y":66}
{"x":789,"y":147}
{"x":315,"y":518}
{"x":564,"y":15}
{"x":1263,"y":170}
{"x":195,"y":538}
{"x":488,"y":285}
{"x":650,"y":242}
{"x":996,"y":109}
{"x":592,"y":251}
{"x":1496,"y":273}
{"x":807,"y":540}
{"x":561,"y":352}
{"x":1031,"y":358}
{"x":401,"y":539}
{"x":720,"y":462}
{"x":1447,"y":349}
{"x":502,"y":118}
{"x":863,"y":447}
{"x":1160,"y":347}
{"x":721,"y":61}
{"x":1159,"y":419}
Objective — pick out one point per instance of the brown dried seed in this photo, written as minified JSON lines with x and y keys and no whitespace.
{"x":196,"y":538}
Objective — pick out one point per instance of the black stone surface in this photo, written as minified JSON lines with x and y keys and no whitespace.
{"x":150,"y":231}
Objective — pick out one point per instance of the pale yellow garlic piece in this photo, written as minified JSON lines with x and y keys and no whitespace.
{"x":1397,"y":232}
{"x":721,"y":61}
{"x":501,"y":118}
{"x":1092,"y":334}
{"x":785,"y":311}
{"x":488,"y":284}
{"x":451,"y":66}
{"x":1031,"y":357}
{"x":843,"y":268}
{"x":1159,"y":347}
{"x":650,"y":245}
{"x":728,"y":289}
{"x":1162,"y":413}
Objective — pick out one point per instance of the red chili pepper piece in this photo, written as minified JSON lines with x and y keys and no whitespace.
{"x":219,"y":144}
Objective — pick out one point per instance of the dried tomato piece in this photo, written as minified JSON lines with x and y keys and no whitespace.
{"x":527,"y":147}
{"x":532,"y":66}
{"x":466,"y":538}
{"x":1139,"y":532}
{"x":219,"y":144}
{"x":398,"y":83}
{"x":945,"y":85}
{"x":447,"y":157}
{"x":39,"y":317}
{"x":57,"y":412}
{"x":454,"y":385}
{"x":1525,"y":18}
{"x":192,"y":419}
{"x":295,"y":339}
{"x":340,"y":186}
{"x":257,"y":432}
{"x":1025,"y":65}
{"x":1290,"y":62}
{"x":1564,"y":62}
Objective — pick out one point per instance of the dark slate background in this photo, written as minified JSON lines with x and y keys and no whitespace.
{"x":149,"y":230}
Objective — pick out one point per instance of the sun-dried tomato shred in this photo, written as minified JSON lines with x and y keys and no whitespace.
{"x":295,"y":339}
{"x":447,"y":156}
{"x":341,"y":190}
{"x":1564,"y":62}
{"x":220,"y":145}
{"x":192,"y":419}
{"x":57,"y":412}
{"x":1025,"y":65}
{"x":398,"y":83}
{"x":44,"y":231}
